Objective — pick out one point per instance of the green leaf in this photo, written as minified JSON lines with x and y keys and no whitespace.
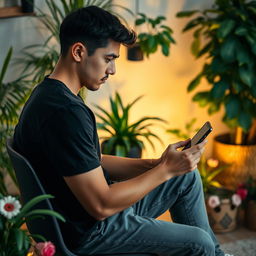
{"x":139,"y":21}
{"x":245,"y":120}
{"x":246,"y":75}
{"x":5,"y":65}
{"x":194,"y":83}
{"x":213,"y":108}
{"x":219,"y":88}
{"x":45,"y":212}
{"x":241,"y":31}
{"x":228,"y":50}
{"x":243,"y":55}
{"x":225,"y":28}
{"x":195,"y":46}
{"x":202,"y":98}
{"x":33,"y":202}
{"x":232,"y":106}
{"x":168,"y":29}
{"x":19,"y":237}
{"x":186,"y":13}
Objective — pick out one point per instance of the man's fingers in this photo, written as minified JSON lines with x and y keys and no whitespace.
{"x":180,"y":144}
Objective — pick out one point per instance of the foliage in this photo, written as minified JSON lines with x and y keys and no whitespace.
{"x":226,"y":36}
{"x":15,"y":241}
{"x":121,"y":134}
{"x":12,"y":96}
{"x":208,"y":171}
{"x":157,"y":35}
{"x":40,"y":59}
{"x":248,"y":189}
{"x":189,"y":130}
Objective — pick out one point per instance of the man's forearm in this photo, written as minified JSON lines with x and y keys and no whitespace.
{"x":122,"y":195}
{"x":123,"y":168}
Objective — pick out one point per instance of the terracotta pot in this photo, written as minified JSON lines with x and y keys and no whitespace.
{"x":241,"y":161}
{"x":223,"y":218}
{"x":250,"y":215}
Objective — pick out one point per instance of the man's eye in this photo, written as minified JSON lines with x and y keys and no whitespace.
{"x":108,"y":60}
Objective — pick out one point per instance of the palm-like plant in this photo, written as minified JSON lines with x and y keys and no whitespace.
{"x":12,"y":97}
{"x":209,"y":173}
{"x":40,"y":59}
{"x":121,"y":134}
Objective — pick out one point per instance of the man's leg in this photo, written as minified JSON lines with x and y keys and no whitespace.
{"x":136,"y":230}
{"x":184,"y":197}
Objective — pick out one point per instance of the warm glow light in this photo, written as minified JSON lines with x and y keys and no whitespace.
{"x":211,"y":162}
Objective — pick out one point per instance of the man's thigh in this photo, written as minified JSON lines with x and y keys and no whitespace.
{"x":127,"y":232}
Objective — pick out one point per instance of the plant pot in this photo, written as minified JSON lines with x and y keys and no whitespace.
{"x":222,"y":218}
{"x":240,"y":161}
{"x":135,"y":53}
{"x":250,"y":215}
{"x":27,"y":6}
{"x":135,"y":151}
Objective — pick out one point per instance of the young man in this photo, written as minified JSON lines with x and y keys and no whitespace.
{"x":57,"y":134}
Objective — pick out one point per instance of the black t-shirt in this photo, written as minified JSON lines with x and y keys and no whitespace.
{"x":57,"y":134}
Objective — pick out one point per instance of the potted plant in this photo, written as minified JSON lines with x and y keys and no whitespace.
{"x":222,"y":208}
{"x":226,"y":36}
{"x":148,"y":42}
{"x":12,"y":96}
{"x":221,"y":204}
{"x":122,"y":137}
{"x":15,"y":240}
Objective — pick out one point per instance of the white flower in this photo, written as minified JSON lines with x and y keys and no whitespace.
{"x":9,"y":207}
{"x":236,"y":200}
{"x":213,"y":201}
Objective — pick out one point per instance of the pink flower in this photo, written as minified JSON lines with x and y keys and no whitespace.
{"x":45,"y":249}
{"x":242,"y":192}
{"x":236,"y":200}
{"x":213,"y":201}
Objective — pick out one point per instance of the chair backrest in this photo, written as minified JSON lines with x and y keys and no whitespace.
{"x":30,"y":187}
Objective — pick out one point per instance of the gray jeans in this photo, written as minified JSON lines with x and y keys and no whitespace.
{"x":135,"y":230}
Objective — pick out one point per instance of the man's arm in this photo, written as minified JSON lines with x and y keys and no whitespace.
{"x":102,"y":200}
{"x":123,"y":168}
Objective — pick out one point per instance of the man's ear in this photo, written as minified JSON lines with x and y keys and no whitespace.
{"x":78,"y":51}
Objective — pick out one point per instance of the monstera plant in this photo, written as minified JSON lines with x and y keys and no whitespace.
{"x":124,"y":138}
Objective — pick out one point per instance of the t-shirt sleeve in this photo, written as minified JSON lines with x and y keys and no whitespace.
{"x":68,"y":138}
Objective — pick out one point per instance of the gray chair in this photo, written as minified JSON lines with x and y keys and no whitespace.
{"x":30,"y":187}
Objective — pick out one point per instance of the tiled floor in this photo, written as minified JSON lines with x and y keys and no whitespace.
{"x":238,"y":234}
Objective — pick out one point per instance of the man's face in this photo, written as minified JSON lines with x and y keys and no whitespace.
{"x":95,"y":69}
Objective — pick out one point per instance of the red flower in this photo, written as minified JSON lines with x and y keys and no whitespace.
{"x":242,"y":192}
{"x":45,"y":249}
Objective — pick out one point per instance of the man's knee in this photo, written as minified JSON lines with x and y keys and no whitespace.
{"x":201,"y":243}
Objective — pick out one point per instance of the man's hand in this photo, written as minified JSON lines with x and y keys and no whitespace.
{"x":180,"y":162}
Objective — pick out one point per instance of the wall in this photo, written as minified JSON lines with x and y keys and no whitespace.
{"x":162,"y":80}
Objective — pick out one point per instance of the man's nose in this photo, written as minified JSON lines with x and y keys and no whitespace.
{"x":111,"y":68}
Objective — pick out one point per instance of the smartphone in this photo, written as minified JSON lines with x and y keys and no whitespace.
{"x":200,"y":135}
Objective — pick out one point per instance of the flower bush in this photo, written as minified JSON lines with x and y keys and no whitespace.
{"x":247,"y":191}
{"x":15,"y":241}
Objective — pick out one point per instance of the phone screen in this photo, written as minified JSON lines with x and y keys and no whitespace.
{"x":200,"y":135}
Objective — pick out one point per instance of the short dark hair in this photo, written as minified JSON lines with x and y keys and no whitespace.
{"x":93,"y":26}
